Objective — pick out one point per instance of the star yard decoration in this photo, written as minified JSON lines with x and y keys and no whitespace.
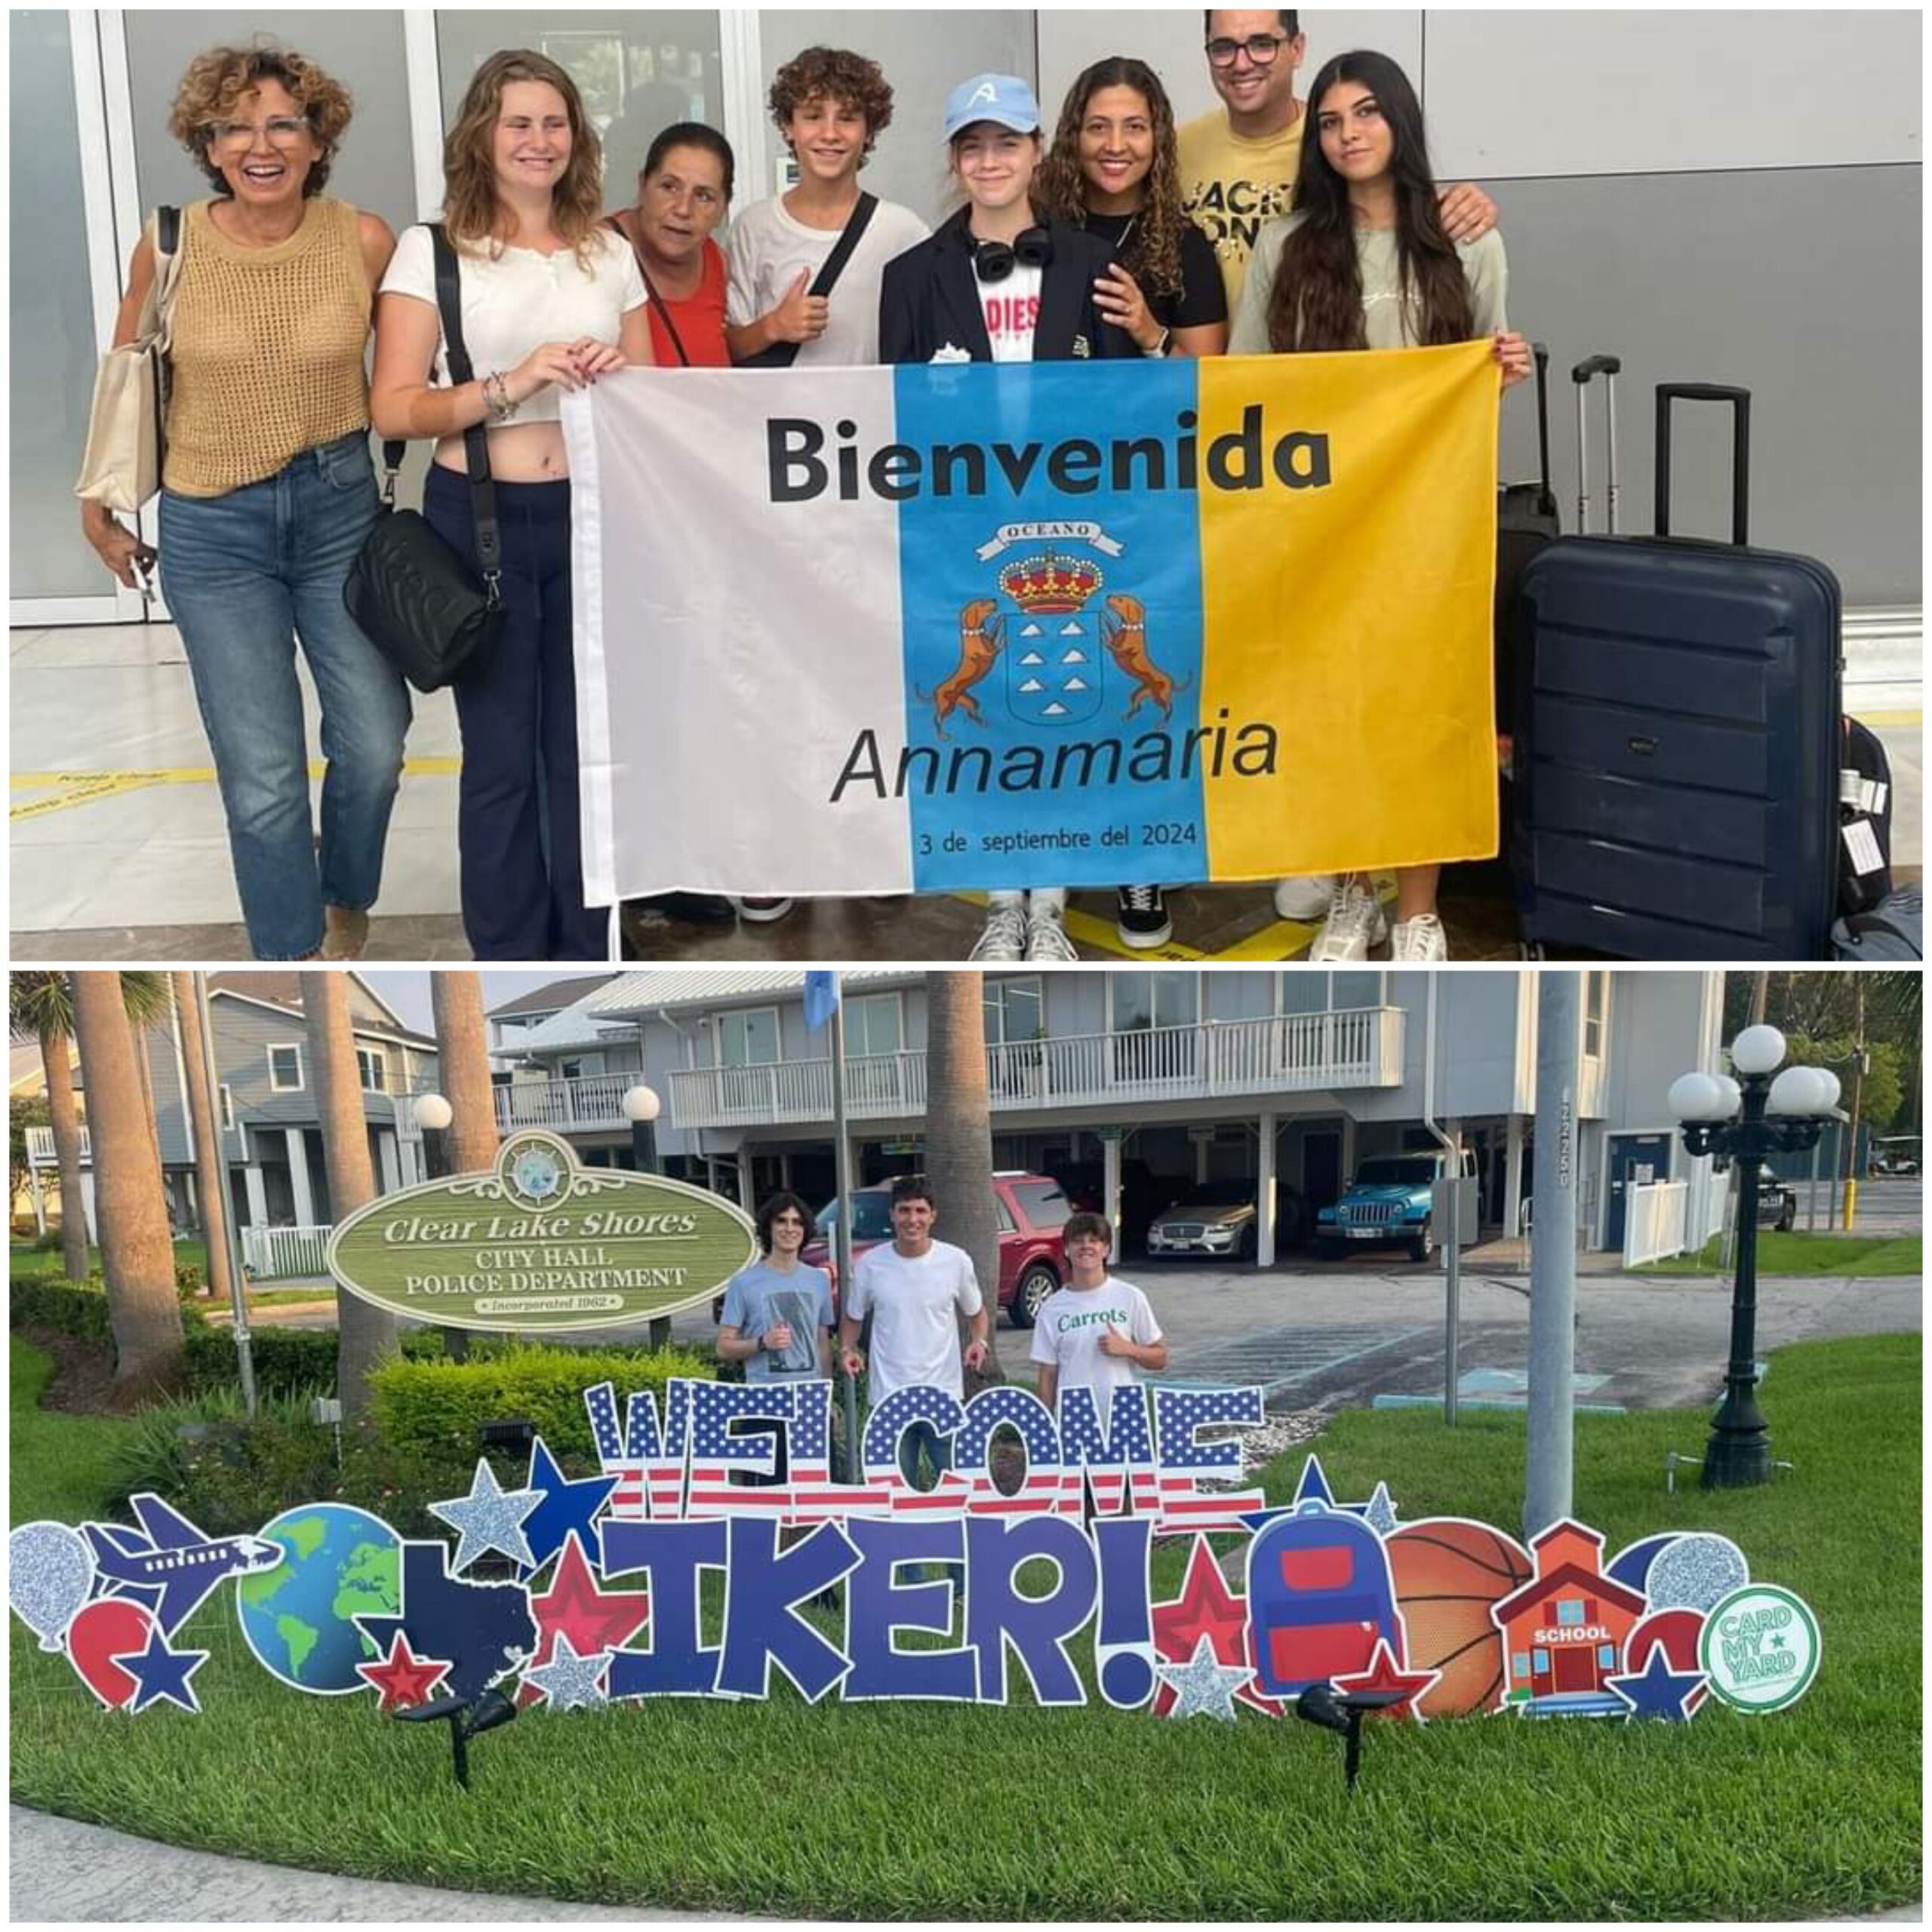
{"x":159,"y":1672}
{"x":1379,"y":1510}
{"x":1202,"y":1688}
{"x":1384,"y":1674}
{"x":489,"y":1518}
{"x":569,"y":1682}
{"x":403,"y":1679}
{"x":1206,"y":1609}
{"x":1658,"y":1691}
{"x":564,"y":1505}
{"x":574,"y":1609}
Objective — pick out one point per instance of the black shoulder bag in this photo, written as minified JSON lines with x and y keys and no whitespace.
{"x":655,"y":301}
{"x":415,"y":599}
{"x":783,"y":355}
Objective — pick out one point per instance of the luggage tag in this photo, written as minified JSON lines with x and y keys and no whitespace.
{"x":1861,"y":847}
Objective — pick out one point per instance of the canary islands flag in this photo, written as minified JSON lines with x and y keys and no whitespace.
{"x":1072,"y":624}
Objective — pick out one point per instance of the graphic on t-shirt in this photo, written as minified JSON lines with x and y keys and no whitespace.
{"x":1232,"y":214}
{"x":1010,"y":319}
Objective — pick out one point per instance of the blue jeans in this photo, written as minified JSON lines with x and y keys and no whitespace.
{"x":517,"y":813}
{"x":248,"y":575}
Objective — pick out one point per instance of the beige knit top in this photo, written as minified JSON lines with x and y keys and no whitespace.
{"x":267,"y":351}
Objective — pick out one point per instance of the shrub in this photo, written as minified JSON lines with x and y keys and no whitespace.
{"x":436,"y":1406}
{"x":50,"y":1300}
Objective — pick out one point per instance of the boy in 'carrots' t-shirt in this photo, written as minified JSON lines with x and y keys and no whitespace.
{"x":1098,"y":1332}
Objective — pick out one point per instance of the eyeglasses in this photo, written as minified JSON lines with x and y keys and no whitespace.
{"x":1261,"y":48}
{"x":285,"y":131}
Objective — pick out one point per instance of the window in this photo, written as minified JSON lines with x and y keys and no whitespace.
{"x":373,"y":1065}
{"x":1570,"y":1611}
{"x":1541,"y":1660}
{"x":1519,"y":1663}
{"x":872,"y":1025}
{"x":227,"y":1107}
{"x":1013,"y":1011}
{"x":1152,"y":1017}
{"x":1606,"y":1656}
{"x":285,"y":1069}
{"x":749,"y":1039}
{"x":1045,"y":1205}
{"x":1304,"y":992}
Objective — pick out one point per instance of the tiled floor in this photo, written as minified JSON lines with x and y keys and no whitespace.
{"x":118,"y":851}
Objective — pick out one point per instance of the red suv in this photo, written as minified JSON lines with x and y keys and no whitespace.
{"x":1032,"y":1211}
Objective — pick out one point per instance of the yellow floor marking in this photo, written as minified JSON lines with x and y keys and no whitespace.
{"x":83,"y":788}
{"x":1889,"y":720}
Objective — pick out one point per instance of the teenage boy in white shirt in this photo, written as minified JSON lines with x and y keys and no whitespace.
{"x":914,"y":1290}
{"x":1098,"y":1332}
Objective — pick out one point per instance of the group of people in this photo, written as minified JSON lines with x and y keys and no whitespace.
{"x":1264,"y":226}
{"x":1096,"y":1332}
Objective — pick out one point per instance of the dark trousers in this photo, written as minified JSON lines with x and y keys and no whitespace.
{"x":522,"y":866}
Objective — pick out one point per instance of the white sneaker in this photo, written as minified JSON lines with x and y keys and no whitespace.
{"x":1046,"y":935}
{"x":1305,"y":900}
{"x":1419,"y":941}
{"x":1004,"y":936}
{"x":1355,"y":923}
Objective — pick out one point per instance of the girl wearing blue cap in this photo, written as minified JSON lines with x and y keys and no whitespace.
{"x":1001,"y":281}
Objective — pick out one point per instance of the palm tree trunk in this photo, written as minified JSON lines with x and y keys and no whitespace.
{"x":210,"y":1152}
{"x":137,"y":1254}
{"x":959,"y":1141}
{"x":63,"y":1117}
{"x":366,"y":1335}
{"x":138,"y":1030}
{"x":462,"y":1047}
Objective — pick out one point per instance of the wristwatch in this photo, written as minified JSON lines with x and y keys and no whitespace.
{"x":1161,"y":347}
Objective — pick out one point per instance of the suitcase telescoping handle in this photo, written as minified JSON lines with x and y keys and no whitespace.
{"x":1740,"y":400}
{"x":1609,"y":367}
{"x":1546,"y":503}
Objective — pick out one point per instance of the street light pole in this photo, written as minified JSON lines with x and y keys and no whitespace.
{"x":641,"y":1107}
{"x":433,"y":1115}
{"x":1746,"y":1120}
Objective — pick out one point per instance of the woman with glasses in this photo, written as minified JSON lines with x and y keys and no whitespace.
{"x":267,"y":492}
{"x":1365,"y":262}
{"x":1114,"y":170}
{"x":551,"y":299}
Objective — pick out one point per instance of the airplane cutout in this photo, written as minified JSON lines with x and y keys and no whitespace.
{"x":169,"y":1558}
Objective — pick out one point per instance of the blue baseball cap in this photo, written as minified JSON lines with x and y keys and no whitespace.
{"x":1004,"y":99}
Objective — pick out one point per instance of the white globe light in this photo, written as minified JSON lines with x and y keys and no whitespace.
{"x":1758,"y":1050}
{"x":1695,"y":1096}
{"x":640,"y":1105}
{"x":433,"y":1111}
{"x":1828,"y":1089}
{"x":1797,"y":1090}
{"x":1734,"y":1097}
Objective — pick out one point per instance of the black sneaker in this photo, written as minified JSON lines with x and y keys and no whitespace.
{"x":1142,"y":920}
{"x":696,"y":909}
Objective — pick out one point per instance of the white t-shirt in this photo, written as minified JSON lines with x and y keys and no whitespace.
{"x":1011,"y":306}
{"x":523,"y":300}
{"x":1066,"y":1333}
{"x":766,"y":249}
{"x":912,"y":1300}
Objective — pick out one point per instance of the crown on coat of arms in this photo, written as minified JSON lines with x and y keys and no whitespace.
{"x":1047,"y":583}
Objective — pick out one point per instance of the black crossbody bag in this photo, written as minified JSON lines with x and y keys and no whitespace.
{"x":416,"y":600}
{"x":783,"y":355}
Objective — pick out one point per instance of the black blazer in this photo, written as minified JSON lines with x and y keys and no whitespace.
{"x":930,"y":298}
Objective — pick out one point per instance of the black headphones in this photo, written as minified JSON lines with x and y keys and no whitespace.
{"x":994,"y":261}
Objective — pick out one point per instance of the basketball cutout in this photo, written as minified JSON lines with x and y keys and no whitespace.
{"x":1447,"y":1573}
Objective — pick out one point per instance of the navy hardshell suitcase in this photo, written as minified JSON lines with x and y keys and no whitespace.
{"x":1677,"y":748}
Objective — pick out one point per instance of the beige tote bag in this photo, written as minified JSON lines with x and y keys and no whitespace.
{"x":121,"y":466}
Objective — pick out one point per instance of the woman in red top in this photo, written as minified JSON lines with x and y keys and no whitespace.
{"x":683,"y":191}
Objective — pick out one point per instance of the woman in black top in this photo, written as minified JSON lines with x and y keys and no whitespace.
{"x":1115,"y":169}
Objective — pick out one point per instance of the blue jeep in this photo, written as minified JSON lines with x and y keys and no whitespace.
{"x":1388,"y":1201}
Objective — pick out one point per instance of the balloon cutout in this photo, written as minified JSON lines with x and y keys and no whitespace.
{"x":50,"y":1574}
{"x":113,"y":1628}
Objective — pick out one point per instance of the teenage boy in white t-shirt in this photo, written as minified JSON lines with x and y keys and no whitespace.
{"x":1098,"y":1332}
{"x":914,"y":1290}
{"x":831,"y":106}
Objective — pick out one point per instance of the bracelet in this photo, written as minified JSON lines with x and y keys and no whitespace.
{"x":1161,"y":347}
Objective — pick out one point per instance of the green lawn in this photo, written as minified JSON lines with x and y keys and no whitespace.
{"x":1810,"y":1254}
{"x":27,"y":1257}
{"x":919,"y":1811}
{"x":57,"y":1466}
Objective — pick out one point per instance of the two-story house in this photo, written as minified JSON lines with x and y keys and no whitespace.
{"x":270,"y":1122}
{"x":1173,"y":1077}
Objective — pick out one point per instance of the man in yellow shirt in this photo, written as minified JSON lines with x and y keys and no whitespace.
{"x":1238,"y":162}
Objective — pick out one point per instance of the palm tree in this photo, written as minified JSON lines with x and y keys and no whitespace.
{"x":959,"y":1140}
{"x":42,"y":1004}
{"x":211,"y":1152}
{"x":366,"y":1335}
{"x":463,"y":1048}
{"x":137,"y":1250}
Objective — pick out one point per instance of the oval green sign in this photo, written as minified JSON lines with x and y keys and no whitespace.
{"x":540,"y":1243}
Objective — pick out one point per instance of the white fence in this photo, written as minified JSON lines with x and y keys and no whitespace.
{"x":40,"y":1147}
{"x":272,"y":1253}
{"x":1654,"y":1221}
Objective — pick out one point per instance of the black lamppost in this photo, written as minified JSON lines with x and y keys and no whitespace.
{"x":433,"y":1115}
{"x":641,"y":1107}
{"x":1747,"y":1120}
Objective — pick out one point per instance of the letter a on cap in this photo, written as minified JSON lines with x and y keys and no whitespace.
{"x":986,"y":91}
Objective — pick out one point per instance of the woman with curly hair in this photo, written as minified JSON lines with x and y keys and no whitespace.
{"x":1365,"y":262}
{"x":831,"y":106}
{"x":551,"y":300}
{"x":267,"y":492}
{"x":1114,"y":170}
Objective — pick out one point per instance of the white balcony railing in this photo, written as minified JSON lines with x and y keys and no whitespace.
{"x":40,"y":1147}
{"x":1287,"y":1053}
{"x":591,"y":1100}
{"x":269,"y":1253}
